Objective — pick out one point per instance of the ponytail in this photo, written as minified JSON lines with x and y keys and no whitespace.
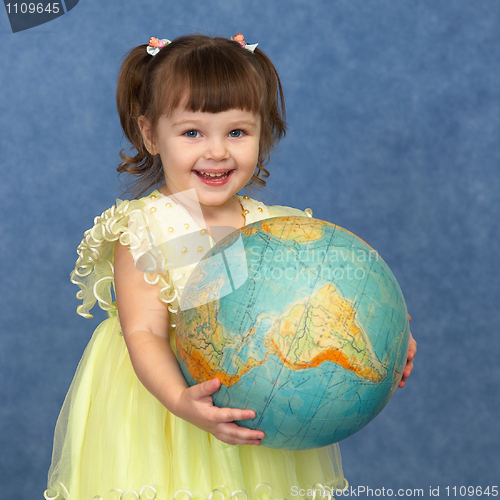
{"x":273,"y":115}
{"x":131,"y":102}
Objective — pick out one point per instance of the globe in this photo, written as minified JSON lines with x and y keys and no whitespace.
{"x":302,"y":322}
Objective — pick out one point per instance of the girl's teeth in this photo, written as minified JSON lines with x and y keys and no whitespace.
{"x":222,"y":174}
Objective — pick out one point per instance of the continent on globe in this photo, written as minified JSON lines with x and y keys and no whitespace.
{"x":299,"y":233}
{"x":322,"y":329}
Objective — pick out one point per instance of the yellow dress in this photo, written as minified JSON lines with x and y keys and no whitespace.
{"x":113,"y":439}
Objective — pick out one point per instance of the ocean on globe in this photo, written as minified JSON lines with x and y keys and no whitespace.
{"x":302,"y":322}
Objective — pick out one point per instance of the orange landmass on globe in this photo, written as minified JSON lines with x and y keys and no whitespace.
{"x":248,"y":231}
{"x":332,"y":355}
{"x":289,"y":229}
{"x":202,"y":370}
{"x":325,"y":329}
{"x":311,"y":332}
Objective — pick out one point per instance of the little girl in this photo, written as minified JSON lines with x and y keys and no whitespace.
{"x":203,"y":115}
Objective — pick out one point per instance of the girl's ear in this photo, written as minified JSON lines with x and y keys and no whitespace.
{"x":147,"y":135}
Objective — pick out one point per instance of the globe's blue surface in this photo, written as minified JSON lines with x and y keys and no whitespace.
{"x":303,"y":322}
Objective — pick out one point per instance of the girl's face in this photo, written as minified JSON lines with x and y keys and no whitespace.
{"x":214,"y":153}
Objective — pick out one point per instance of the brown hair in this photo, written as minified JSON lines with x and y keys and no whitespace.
{"x":218,"y":74}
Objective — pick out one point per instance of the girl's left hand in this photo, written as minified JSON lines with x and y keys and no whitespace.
{"x":412,"y":350}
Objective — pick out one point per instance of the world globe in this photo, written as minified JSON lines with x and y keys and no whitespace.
{"x":302,"y":322}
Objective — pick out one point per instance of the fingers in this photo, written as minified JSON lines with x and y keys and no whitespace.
{"x":232,"y":433}
{"x":412,"y":348}
{"x":231,"y":414}
{"x":406,"y":373}
{"x":412,"y":351}
{"x":219,"y":421}
{"x":228,"y":431}
{"x":409,"y":365}
{"x":206,"y":388}
{"x":203,"y":393}
{"x":408,"y":368}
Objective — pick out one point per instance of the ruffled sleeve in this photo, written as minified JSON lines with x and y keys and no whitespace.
{"x":127,"y":223}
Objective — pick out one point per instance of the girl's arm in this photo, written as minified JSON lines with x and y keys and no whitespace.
{"x":144,"y":322}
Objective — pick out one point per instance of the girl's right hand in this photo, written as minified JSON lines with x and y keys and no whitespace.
{"x":196,"y":405}
{"x":145,"y":327}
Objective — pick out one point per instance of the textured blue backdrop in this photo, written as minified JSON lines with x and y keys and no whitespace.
{"x":394,"y":117}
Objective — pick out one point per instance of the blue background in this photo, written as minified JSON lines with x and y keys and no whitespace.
{"x":394,"y":118}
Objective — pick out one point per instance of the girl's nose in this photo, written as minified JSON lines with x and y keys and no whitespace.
{"x":216,"y":150}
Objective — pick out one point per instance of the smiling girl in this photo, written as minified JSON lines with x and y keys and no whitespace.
{"x":202,"y":115}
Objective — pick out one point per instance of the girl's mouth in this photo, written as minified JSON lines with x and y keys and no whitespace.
{"x":213,"y":176}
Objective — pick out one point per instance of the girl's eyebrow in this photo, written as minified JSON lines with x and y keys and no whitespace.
{"x":247,"y":123}
{"x":182,"y":123}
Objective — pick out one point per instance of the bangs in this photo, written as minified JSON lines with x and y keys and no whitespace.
{"x":211,"y":79}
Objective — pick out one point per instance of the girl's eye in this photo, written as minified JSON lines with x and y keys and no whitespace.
{"x":193,"y":134}
{"x":236,"y":133}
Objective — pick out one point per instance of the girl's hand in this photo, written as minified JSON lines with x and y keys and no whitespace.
{"x":196,"y":406}
{"x":412,"y":350}
{"x":145,"y":327}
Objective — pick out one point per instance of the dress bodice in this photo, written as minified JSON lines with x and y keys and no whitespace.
{"x":165,"y":240}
